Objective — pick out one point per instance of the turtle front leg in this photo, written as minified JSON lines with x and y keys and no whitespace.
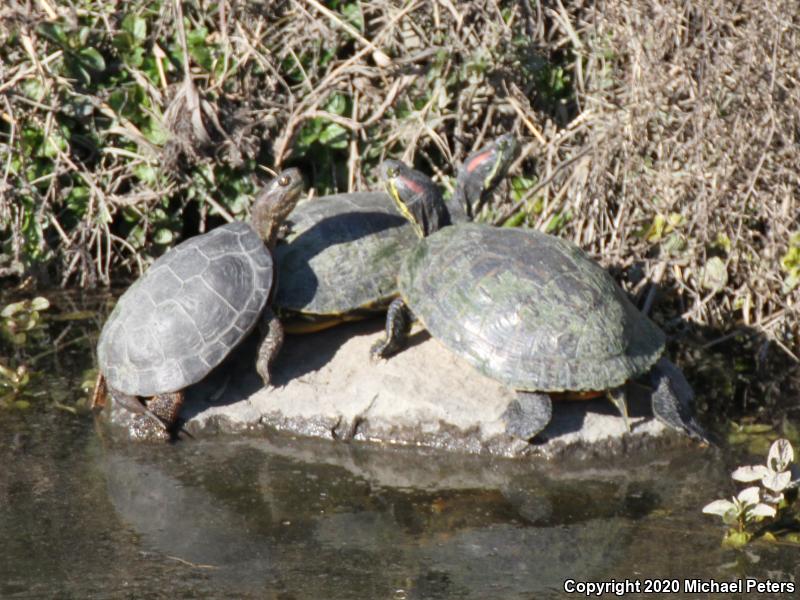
{"x":672,"y":399}
{"x":133,"y":405}
{"x":398,"y":325}
{"x":159,"y":419}
{"x":166,"y":407}
{"x":271,"y":344}
{"x":528,"y":414}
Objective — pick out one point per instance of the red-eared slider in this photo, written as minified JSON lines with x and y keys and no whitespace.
{"x":340,"y":261}
{"x":531,"y":311}
{"x":192,"y":306}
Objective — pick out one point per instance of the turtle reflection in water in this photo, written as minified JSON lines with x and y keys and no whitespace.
{"x":531,"y":311}
{"x":190,"y":309}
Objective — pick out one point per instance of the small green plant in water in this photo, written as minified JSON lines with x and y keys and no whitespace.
{"x":13,"y":383}
{"x":18,"y":319}
{"x":763,"y":510}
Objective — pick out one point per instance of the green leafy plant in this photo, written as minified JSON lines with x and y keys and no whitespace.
{"x":13,"y":385}
{"x":19,"y":319}
{"x":769,"y":503}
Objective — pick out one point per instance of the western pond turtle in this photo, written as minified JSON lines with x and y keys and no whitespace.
{"x":191,"y":308}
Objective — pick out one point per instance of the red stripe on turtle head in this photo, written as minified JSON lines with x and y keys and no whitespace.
{"x":477,"y":161}
{"x":413,"y":185}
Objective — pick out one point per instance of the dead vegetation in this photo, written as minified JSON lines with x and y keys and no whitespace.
{"x":659,"y":135}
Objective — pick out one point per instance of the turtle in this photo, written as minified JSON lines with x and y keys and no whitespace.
{"x":532,"y":311}
{"x":339,"y":261}
{"x":191,"y":308}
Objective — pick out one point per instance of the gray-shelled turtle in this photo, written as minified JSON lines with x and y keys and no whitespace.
{"x":191,"y":308}
{"x":533,"y":312}
{"x":340,"y":259}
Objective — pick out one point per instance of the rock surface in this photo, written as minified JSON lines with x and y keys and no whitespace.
{"x":327,"y":386}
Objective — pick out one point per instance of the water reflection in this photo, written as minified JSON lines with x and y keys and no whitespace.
{"x":83,"y":517}
{"x":308,"y":514}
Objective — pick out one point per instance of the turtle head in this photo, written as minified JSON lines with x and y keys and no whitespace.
{"x":482,"y":171}
{"x":274,"y":203}
{"x":416,"y":196}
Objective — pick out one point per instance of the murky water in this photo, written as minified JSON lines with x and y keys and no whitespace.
{"x":83,"y":516}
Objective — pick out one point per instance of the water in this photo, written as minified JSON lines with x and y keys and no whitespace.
{"x":85,"y":516}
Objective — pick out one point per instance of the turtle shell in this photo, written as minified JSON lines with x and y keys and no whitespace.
{"x":528,"y":309}
{"x":186,"y":313}
{"x":341,"y":255}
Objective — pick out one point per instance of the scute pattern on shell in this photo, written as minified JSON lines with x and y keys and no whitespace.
{"x":342,"y":254}
{"x":528,"y":309}
{"x":186,"y":313}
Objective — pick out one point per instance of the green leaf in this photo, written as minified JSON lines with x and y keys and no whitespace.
{"x":352,"y":13}
{"x":136,"y":237}
{"x":714,"y":274}
{"x":674,"y":244}
{"x":52,"y":31}
{"x":515,"y":220}
{"x":92,"y":59}
{"x":736,"y":539}
{"x":163,"y":236}
{"x":334,"y":136}
{"x":755,"y":428}
{"x":723,"y":242}
{"x":146,"y":173}
{"x":136,"y":26}
{"x":198,"y":47}
{"x":557,"y":222}
{"x":54,"y":143}
{"x":154,"y":133}
{"x":83,"y":36}
{"x":656,"y":229}
{"x":520,"y":185}
{"x":336,"y":104}
{"x":309,"y":133}
{"x":792,"y":280}
{"x":7,"y":374}
{"x":40,"y":303}
{"x":136,"y":58}
{"x":33,"y":89}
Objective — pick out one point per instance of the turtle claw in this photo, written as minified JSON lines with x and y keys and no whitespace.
{"x":148,"y":427}
{"x":379,"y":350}
{"x":618,"y":399}
{"x":263,"y":373}
{"x":528,"y":414}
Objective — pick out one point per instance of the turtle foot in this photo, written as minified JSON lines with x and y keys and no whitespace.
{"x":270,"y":346}
{"x":145,"y":428}
{"x":382,"y":349}
{"x":263,"y":372}
{"x":398,"y":326}
{"x":672,"y":399}
{"x":528,"y":414}
{"x":159,"y":420}
{"x":166,"y":407}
